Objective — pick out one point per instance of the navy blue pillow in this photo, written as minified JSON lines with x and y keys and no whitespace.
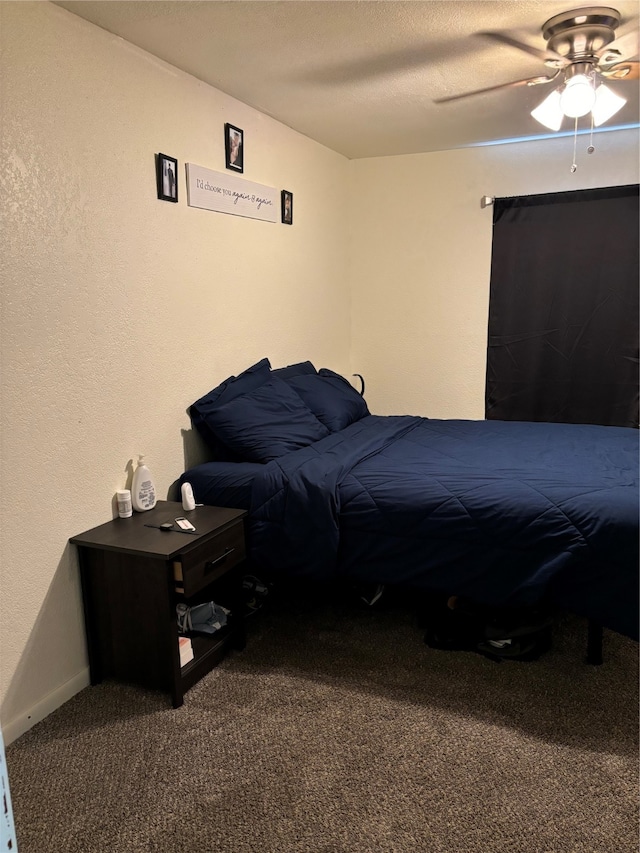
{"x":303,"y":367}
{"x":250,"y":379}
{"x":331,"y":398}
{"x":266,"y":423}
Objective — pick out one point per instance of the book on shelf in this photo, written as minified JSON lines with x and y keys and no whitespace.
{"x":186,"y":650}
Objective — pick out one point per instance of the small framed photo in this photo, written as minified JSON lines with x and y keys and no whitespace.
{"x":234,"y":147}
{"x":167,"y":177}
{"x":287,"y":207}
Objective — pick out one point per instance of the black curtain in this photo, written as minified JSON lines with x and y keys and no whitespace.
{"x":563,"y":312}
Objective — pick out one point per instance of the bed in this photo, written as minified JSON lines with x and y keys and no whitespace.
{"x":507,"y":514}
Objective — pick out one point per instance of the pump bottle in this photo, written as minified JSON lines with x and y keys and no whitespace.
{"x":143,"y":490}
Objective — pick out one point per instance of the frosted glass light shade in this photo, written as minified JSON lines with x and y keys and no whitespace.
{"x":549,"y":112}
{"x":607,"y":104}
{"x":604,"y":103}
{"x":578,"y":96}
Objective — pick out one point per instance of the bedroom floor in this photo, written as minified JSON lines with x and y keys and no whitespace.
{"x":338,"y":730}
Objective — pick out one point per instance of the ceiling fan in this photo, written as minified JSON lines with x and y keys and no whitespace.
{"x":582,"y":49}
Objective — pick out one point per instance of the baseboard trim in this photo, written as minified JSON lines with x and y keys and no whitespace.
{"x":19,"y":725}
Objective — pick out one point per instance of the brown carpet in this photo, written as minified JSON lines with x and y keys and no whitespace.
{"x":338,"y":731}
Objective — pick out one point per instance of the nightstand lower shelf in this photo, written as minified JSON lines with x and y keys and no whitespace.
{"x":209,"y":652}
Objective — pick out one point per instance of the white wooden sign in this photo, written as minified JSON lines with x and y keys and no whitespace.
{"x":227,"y":193}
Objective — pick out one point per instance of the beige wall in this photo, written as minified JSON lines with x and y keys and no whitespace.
{"x":421,"y":254}
{"x":119,"y":310}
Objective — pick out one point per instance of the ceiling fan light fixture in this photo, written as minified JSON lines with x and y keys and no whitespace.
{"x":578,"y":96}
{"x":549,"y":112}
{"x":607,"y":104}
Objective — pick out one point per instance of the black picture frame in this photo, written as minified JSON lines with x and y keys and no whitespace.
{"x":286,"y":207}
{"x":167,"y":177}
{"x":234,"y":147}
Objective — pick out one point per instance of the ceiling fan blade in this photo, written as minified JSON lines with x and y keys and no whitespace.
{"x":530,"y":81}
{"x":622,"y":71}
{"x":540,"y":53}
{"x":624,"y":47}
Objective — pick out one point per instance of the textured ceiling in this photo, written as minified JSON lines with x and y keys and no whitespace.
{"x":360,"y":77}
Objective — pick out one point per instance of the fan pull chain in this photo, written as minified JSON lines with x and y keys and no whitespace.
{"x":574,"y":165}
{"x":591,"y":147}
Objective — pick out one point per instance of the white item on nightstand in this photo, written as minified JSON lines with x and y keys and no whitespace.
{"x":143,"y":490}
{"x":124,"y":503}
{"x":188,"y":501}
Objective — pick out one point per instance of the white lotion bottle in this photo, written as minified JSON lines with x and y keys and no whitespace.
{"x":143,"y":490}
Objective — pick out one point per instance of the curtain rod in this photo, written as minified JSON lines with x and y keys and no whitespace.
{"x":621,"y":189}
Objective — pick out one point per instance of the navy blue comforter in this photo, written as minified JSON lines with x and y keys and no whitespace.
{"x":507,"y":513}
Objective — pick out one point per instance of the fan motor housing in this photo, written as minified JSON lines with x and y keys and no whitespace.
{"x":581,"y":33}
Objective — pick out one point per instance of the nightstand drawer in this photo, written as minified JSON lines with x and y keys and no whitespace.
{"x":200,"y":566}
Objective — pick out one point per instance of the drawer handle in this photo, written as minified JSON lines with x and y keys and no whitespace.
{"x":209,"y":567}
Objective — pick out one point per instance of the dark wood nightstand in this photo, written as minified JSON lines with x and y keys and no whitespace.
{"x":133,"y":576}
